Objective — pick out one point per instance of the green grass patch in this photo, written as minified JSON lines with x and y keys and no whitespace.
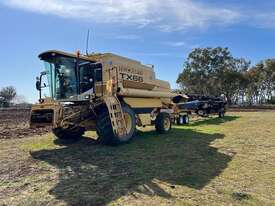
{"x":212,"y":161}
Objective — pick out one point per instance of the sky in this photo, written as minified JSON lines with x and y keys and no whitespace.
{"x":158,"y":32}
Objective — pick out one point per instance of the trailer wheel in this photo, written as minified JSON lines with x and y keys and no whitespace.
{"x":69,"y":134}
{"x":221,"y":114}
{"x":163,"y":123}
{"x":104,"y":127}
{"x":183,"y":119}
{"x":202,"y":113}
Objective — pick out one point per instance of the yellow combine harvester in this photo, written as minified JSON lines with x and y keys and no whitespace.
{"x":106,"y":93}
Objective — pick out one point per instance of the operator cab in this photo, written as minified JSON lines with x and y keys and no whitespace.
{"x":69,"y":77}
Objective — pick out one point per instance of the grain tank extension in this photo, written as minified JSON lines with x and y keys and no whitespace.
{"x":106,"y":93}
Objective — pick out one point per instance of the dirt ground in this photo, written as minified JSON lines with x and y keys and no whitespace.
{"x":15,"y":123}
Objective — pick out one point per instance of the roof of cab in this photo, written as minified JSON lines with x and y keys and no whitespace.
{"x":50,"y":52}
{"x":89,"y":57}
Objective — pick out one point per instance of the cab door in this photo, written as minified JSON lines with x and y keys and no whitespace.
{"x":90,"y":76}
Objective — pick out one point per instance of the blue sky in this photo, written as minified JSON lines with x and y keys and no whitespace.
{"x":153,"y":31}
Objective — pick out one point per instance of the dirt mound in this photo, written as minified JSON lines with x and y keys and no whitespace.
{"x":14,"y":123}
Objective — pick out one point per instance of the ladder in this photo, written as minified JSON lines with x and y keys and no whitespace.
{"x":113,"y":104}
{"x":116,"y":115}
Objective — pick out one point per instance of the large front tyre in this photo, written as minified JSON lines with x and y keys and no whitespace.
{"x":71,"y":133}
{"x":105,"y":131}
{"x":163,"y":123}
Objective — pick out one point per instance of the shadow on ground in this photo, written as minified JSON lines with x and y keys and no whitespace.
{"x":93,"y":174}
{"x":214,"y":120}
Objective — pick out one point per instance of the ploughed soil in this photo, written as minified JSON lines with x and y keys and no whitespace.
{"x":263,"y":108}
{"x":14,"y":123}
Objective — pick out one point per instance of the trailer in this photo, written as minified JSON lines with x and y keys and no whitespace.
{"x":204,"y":105}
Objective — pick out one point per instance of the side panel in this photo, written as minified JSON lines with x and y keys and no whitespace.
{"x":137,"y":85}
{"x":143,"y":102}
{"x":143,"y":108}
{"x":145,"y":119}
{"x":132,"y":74}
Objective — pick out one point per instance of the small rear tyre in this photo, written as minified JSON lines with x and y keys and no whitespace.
{"x":183,"y":119}
{"x":163,"y":123}
{"x":69,"y":134}
{"x":221,"y":114}
{"x":202,"y":113}
{"x":104,"y":127}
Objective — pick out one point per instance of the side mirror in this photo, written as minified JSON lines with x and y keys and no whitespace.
{"x":38,"y":84}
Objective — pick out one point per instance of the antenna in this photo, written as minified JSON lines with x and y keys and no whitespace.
{"x":87,"y":42}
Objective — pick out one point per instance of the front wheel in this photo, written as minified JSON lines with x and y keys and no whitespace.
{"x":105,"y":131}
{"x":74,"y":132}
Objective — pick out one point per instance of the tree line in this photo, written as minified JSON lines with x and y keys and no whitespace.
{"x":7,"y":94}
{"x":214,"y":71}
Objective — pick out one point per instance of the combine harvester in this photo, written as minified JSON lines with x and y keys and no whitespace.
{"x":106,"y":93}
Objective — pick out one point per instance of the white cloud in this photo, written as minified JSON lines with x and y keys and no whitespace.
{"x":169,"y":15}
{"x":128,"y":37}
{"x":174,"y":44}
{"x":266,"y":20}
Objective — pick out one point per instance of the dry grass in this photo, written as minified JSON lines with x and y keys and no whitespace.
{"x":210,"y":162}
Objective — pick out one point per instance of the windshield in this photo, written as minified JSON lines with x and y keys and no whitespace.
{"x":62,"y":77}
{"x":69,"y":77}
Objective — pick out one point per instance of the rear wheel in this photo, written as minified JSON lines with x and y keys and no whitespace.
{"x":74,"y":132}
{"x":183,"y":119}
{"x":105,"y":131}
{"x":163,"y":123}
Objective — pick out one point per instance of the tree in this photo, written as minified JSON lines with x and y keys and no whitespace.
{"x":261,"y":82}
{"x":7,"y":94}
{"x":212,"y":71}
{"x":269,"y":72}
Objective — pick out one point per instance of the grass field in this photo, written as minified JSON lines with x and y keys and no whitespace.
{"x":212,"y":161}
